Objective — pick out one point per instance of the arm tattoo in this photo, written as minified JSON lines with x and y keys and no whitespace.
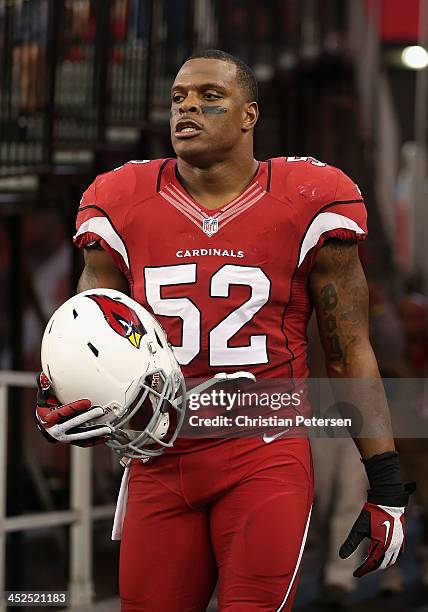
{"x":340,"y":295}
{"x":329,"y":303}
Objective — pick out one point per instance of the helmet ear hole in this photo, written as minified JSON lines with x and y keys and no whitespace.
{"x":158,"y":339}
{"x":93,"y":349}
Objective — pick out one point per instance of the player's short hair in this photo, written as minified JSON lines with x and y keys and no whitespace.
{"x":246,"y":77}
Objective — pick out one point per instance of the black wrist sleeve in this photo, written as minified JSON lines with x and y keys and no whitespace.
{"x":386,"y":488}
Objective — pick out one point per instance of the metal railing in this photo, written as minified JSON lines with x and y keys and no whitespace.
{"x":79,"y":516}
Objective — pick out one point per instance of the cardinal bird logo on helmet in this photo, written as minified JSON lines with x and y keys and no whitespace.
{"x":121,"y":318}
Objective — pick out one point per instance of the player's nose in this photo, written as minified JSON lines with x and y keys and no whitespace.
{"x":191,"y":104}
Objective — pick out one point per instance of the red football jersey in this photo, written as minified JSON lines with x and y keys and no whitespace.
{"x":229,"y":286}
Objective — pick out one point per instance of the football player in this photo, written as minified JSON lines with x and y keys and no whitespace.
{"x":231,"y":255}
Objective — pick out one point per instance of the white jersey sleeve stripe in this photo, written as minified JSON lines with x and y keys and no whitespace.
{"x":104,"y":229}
{"x":325,"y":222}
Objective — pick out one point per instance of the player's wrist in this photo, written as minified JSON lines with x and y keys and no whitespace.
{"x":386,"y":486}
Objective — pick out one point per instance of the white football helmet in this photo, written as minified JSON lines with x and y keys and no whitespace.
{"x":103,"y":346}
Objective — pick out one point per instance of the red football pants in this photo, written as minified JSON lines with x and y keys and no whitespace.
{"x":237,"y":512}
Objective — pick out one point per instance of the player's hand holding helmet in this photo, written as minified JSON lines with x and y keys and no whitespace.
{"x":68,"y":423}
{"x":104,"y":347}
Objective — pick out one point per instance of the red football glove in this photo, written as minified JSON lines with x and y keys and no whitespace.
{"x":67,"y":423}
{"x":382,"y":517}
{"x":385,"y":527}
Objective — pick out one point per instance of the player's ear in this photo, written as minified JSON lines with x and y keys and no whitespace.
{"x":250,"y":114}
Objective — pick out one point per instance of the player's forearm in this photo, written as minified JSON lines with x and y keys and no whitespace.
{"x":340,"y":295}
{"x":361,"y":397}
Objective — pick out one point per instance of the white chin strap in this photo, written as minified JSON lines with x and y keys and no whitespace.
{"x":221,"y":377}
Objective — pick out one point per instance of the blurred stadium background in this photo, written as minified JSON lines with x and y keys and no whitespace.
{"x":84,"y":87}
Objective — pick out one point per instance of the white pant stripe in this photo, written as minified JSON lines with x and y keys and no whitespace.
{"x":296,"y":569}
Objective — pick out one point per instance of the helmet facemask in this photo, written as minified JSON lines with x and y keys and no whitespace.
{"x":164,"y":397}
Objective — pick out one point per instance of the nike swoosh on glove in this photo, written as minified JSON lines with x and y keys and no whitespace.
{"x":382,"y":518}
{"x":66,"y":423}
{"x":384,"y":525}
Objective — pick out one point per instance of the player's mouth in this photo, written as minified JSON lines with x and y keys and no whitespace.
{"x":187,"y":129}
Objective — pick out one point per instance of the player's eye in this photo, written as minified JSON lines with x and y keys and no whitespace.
{"x":211,"y":96}
{"x":177,"y":98}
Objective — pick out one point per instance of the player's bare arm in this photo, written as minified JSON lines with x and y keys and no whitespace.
{"x":340,"y":295}
{"x":100,"y":271}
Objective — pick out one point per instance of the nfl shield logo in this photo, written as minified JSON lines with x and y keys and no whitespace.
{"x":210,"y":226}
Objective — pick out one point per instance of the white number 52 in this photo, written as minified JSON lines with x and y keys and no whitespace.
{"x":220,"y":353}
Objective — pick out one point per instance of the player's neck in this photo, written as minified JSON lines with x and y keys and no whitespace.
{"x":218,"y":184}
